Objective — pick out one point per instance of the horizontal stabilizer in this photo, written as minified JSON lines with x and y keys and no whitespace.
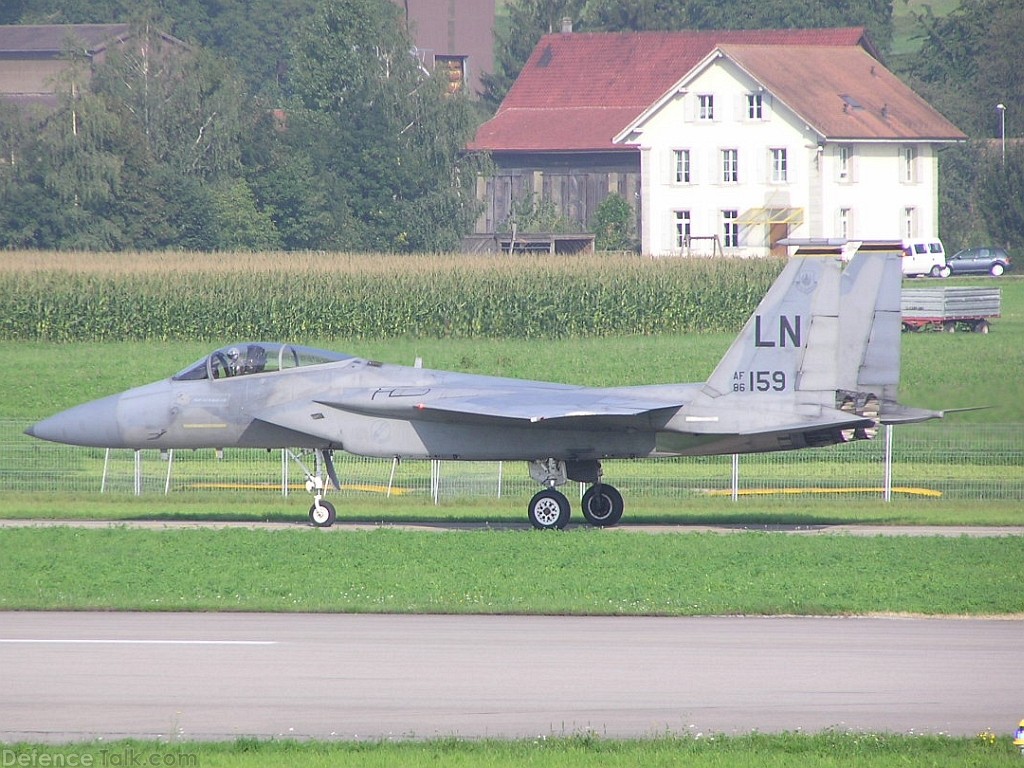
{"x":894,"y":413}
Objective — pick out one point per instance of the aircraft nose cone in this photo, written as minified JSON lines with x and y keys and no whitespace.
{"x":94,"y":424}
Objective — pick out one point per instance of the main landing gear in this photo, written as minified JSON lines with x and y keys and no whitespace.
{"x":550,"y":509}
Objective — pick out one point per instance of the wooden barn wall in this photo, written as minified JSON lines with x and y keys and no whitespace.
{"x":575,"y":185}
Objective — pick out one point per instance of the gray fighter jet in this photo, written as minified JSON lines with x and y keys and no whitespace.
{"x":816,"y":364}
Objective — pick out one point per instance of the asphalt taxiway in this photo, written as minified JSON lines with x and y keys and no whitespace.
{"x":75,"y":676}
{"x":972,"y":531}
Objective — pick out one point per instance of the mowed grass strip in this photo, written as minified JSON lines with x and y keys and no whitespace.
{"x":252,"y":507}
{"x":695,"y":750}
{"x":583,"y":572}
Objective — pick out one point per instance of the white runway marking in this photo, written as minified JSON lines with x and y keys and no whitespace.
{"x":135,"y":642}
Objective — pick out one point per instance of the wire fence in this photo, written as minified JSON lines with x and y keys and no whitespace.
{"x":937,"y":460}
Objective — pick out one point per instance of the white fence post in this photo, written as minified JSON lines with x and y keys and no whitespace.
{"x":887,"y":493}
{"x":138,"y":472}
{"x":170,"y":463}
{"x":106,"y":467}
{"x":435,"y":480}
{"x":285,"y":478}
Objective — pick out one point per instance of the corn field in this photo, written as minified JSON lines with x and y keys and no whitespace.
{"x":72,"y":297}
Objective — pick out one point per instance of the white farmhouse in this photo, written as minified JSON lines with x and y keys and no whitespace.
{"x":757,"y":143}
{"x":723,"y":142}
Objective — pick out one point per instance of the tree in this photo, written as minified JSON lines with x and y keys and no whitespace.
{"x":132,"y":156}
{"x":252,"y":34}
{"x":284,"y":178}
{"x":186,"y":105}
{"x":66,"y":172}
{"x":613,"y":224}
{"x":528,"y":21}
{"x":874,"y":15}
{"x":618,"y":16}
{"x":384,"y":135}
{"x":969,"y":62}
{"x":239,"y":224}
{"x":960,"y":222}
{"x":1001,"y":196}
{"x":11,"y":11}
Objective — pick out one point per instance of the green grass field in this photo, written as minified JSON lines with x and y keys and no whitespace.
{"x":586,"y":571}
{"x":584,"y":751}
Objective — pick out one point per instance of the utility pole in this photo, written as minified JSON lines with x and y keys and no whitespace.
{"x":1001,"y":108}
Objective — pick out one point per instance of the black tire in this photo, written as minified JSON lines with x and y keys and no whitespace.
{"x":602,"y":505}
{"x":982,"y":326}
{"x":549,"y":510}
{"x":997,"y":269}
{"x":322,"y":516}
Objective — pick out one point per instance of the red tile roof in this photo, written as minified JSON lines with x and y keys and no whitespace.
{"x":843,"y":93}
{"x":578,"y":90}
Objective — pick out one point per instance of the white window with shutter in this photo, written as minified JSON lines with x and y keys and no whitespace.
{"x":705,"y":107}
{"x":730,"y":166}
{"x":779,"y":165}
{"x":681,"y":166}
{"x":681,"y":223}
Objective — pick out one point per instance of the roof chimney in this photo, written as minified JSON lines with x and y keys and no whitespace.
{"x":566,"y":25}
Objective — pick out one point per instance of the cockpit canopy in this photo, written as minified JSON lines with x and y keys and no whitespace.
{"x":256,"y":357}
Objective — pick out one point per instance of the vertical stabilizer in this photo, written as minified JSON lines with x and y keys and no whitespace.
{"x":789,"y":343}
{"x":870,"y":322}
{"x":818,"y":363}
{"x":823,"y":335}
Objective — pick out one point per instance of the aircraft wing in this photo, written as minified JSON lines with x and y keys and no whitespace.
{"x":532,"y":405}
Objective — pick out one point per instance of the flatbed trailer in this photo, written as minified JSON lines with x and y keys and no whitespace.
{"x":948,"y":308}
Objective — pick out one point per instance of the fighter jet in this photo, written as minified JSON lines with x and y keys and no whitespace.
{"x":817,"y":364}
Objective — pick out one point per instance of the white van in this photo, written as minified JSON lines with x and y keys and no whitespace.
{"x":924,"y":257}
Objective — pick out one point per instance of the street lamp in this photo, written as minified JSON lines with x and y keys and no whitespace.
{"x":1002,"y":128}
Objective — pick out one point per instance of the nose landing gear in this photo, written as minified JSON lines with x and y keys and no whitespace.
{"x":322,"y":513}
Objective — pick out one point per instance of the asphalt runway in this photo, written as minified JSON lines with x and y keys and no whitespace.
{"x":74,"y":676}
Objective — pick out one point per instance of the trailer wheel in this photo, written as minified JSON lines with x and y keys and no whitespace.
{"x":981,"y":326}
{"x":949,"y":326}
